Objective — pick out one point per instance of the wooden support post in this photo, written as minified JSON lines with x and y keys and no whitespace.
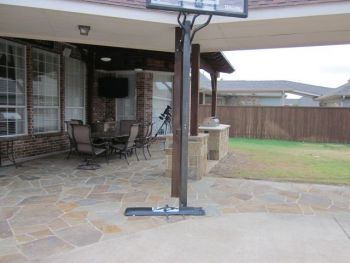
{"x":214,"y":83}
{"x":175,"y":174}
{"x":195,"y":75}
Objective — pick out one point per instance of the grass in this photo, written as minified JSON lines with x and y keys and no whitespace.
{"x":291,"y":161}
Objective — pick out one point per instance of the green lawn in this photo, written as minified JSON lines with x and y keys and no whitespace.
{"x":292,"y":161}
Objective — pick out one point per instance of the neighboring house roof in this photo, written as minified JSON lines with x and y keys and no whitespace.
{"x":342,"y":91}
{"x":229,"y":86}
{"x":252,"y":3}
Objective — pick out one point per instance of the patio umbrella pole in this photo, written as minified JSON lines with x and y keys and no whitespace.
{"x":183,"y":209}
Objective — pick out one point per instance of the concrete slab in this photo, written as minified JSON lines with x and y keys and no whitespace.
{"x":244,"y":238}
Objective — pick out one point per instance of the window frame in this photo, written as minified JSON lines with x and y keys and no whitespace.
{"x":84,"y":90}
{"x":24,"y":107}
{"x":58,"y":107}
{"x":155,"y":118}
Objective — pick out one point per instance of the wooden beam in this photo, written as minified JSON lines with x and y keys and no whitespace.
{"x":175,"y":173}
{"x":195,"y":75}
{"x":214,"y":84}
{"x":206,"y":66}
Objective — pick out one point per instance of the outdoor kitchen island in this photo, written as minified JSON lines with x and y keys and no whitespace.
{"x":212,"y":143}
{"x":218,"y":140}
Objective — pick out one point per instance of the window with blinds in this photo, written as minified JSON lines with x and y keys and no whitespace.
{"x":12,"y":89}
{"x":126,"y":107}
{"x":75,"y":89}
{"x":45,"y":91}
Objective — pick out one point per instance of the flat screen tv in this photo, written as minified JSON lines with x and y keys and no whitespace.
{"x":112,"y":87}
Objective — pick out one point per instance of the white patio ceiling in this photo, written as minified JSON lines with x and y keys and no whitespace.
{"x":321,"y":24}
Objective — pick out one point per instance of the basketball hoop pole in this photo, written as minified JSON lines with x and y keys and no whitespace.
{"x":189,"y":14}
{"x":186,"y":69}
{"x":186,"y":26}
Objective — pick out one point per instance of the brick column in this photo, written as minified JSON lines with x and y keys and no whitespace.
{"x":144,"y":92}
{"x":109,"y":108}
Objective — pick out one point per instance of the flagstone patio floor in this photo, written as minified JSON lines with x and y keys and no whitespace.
{"x":48,"y":207}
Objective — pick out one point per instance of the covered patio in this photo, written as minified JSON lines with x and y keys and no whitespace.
{"x":49,"y":208}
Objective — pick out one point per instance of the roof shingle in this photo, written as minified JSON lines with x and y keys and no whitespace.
{"x":265,"y":86}
{"x":253,"y":4}
{"x":342,"y":91}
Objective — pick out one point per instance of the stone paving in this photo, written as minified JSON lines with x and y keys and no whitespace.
{"x":48,"y":207}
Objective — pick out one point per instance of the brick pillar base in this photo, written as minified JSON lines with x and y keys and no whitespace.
{"x":197,"y":156}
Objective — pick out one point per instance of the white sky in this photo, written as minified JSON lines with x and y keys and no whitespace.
{"x":327,"y":66}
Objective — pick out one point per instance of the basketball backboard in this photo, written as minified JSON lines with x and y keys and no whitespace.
{"x":233,"y":8}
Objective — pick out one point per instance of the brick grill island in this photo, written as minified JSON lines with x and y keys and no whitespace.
{"x":217,"y":140}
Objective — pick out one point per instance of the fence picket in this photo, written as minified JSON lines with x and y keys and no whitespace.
{"x":313,"y":124}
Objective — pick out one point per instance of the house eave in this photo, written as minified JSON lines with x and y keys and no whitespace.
{"x":120,"y":26}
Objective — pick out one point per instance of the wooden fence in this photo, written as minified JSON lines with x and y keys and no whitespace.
{"x":289,"y":123}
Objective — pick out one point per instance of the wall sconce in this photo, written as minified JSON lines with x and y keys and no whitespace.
{"x":105,"y":59}
{"x":84,"y":30}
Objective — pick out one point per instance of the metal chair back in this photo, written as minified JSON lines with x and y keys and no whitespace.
{"x":125,"y":126}
{"x":149,"y":131}
{"x":70,"y":129}
{"x":82,"y":137}
{"x":134,"y":131}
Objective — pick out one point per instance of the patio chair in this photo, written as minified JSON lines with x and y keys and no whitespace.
{"x":86,"y":148}
{"x":125,"y":126}
{"x":129,"y":146}
{"x":97,"y":126}
{"x":110,"y":126}
{"x":72,"y":146}
{"x":143,"y":142}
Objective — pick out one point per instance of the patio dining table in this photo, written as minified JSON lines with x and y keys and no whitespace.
{"x":109,"y":136}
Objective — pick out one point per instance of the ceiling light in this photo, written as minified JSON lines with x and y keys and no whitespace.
{"x":84,"y":30}
{"x":106,"y":59}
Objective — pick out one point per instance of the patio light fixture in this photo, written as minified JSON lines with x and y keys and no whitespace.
{"x":84,"y":30}
{"x":105,"y":59}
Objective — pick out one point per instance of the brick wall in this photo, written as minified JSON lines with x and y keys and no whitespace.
{"x":144,"y":91}
{"x":37,"y":144}
{"x":28,"y":146}
{"x":98,"y":106}
{"x":102,"y":108}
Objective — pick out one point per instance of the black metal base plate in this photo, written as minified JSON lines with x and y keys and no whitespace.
{"x":164,"y":211}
